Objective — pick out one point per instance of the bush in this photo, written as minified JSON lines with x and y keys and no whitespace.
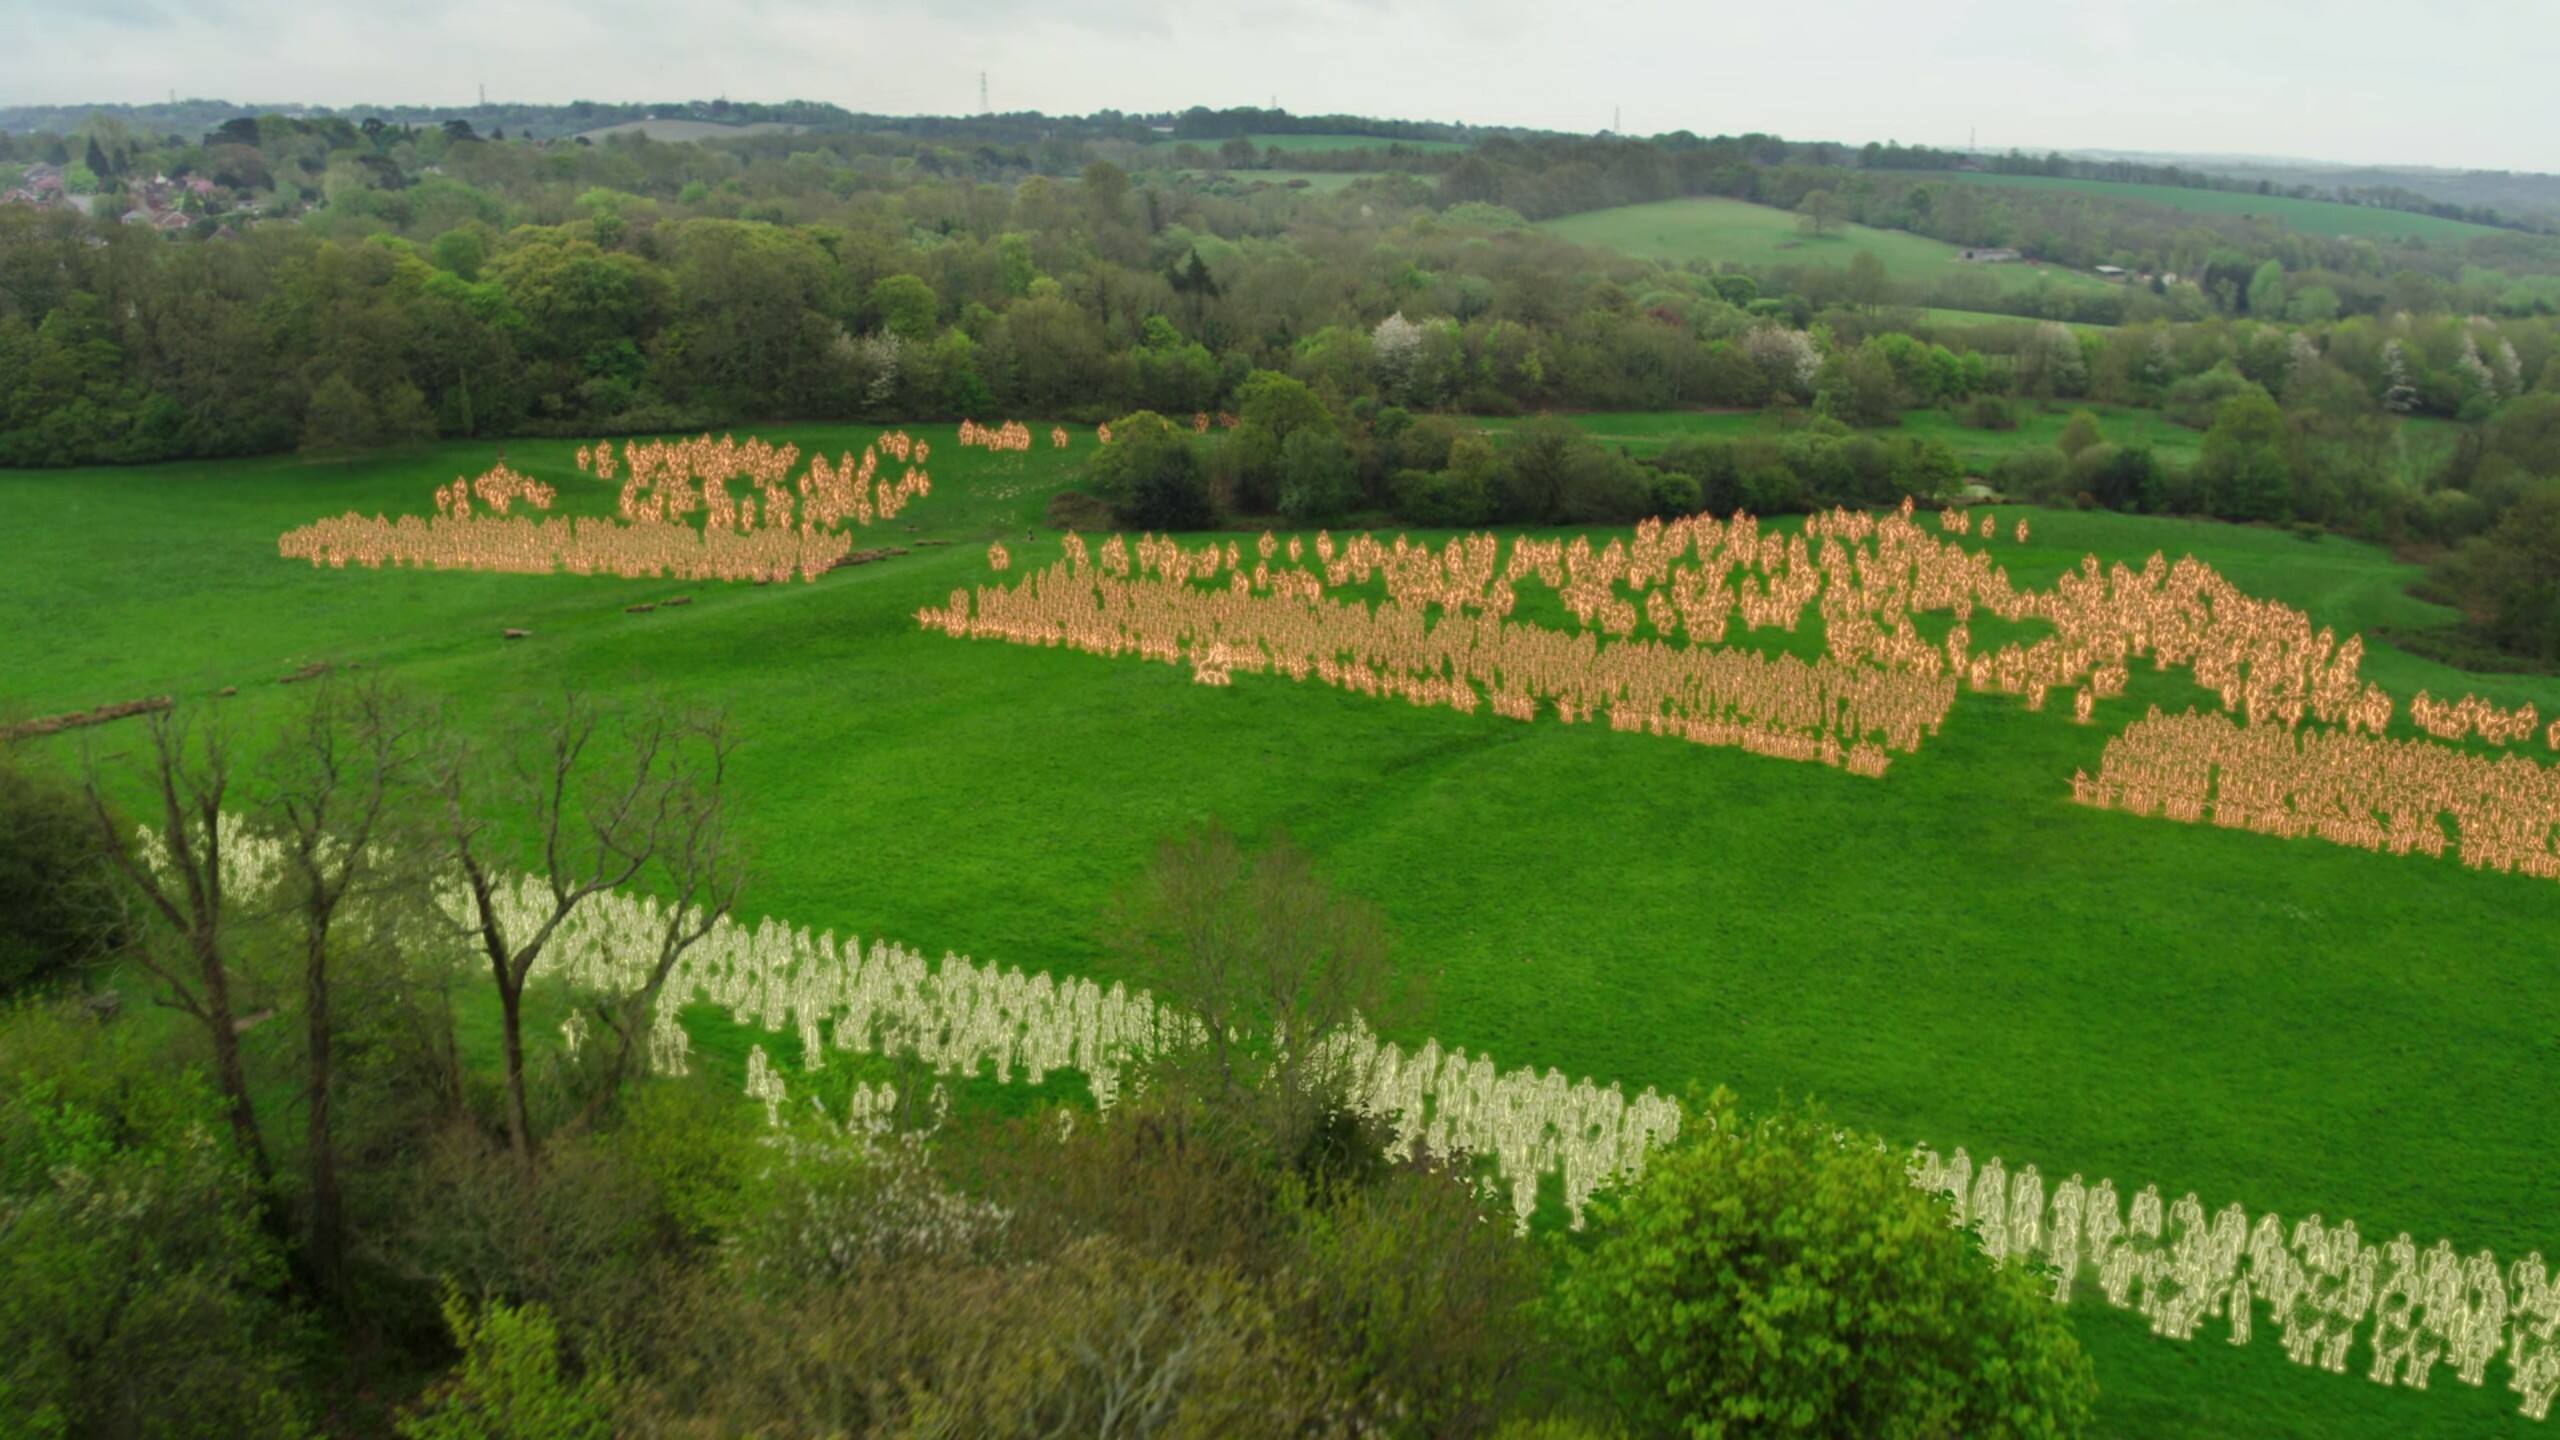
{"x":2079,"y":433}
{"x":134,"y":1282}
{"x":57,"y":884}
{"x":1893,"y":1322}
{"x":2195,"y":401}
{"x":1151,"y":476}
{"x":2033,"y":472}
{"x":1316,"y":476}
{"x":1990,"y":412}
{"x":508,"y":1385}
{"x":1674,"y":494}
{"x":1440,"y":499}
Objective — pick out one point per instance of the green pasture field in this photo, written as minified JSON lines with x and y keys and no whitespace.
{"x":1761,"y":236}
{"x":2311,"y":217}
{"x":1325,"y":144}
{"x":2424,"y":442}
{"x":1977,"y":319}
{"x":1953,"y":954}
{"x":1323,"y":182}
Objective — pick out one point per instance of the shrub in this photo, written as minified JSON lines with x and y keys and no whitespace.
{"x":1151,"y":476}
{"x":1673,"y":494}
{"x":1990,"y":412}
{"x":1440,"y":499}
{"x":57,"y":895}
{"x":2079,"y":433}
{"x":1769,"y":1275}
{"x":135,"y":1277}
{"x":508,"y":1384}
{"x":1316,"y":476}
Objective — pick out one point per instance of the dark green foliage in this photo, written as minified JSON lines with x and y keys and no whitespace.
{"x":508,"y":1384}
{"x":2509,"y":578}
{"x":1151,"y":475}
{"x":1271,"y":407}
{"x":1316,"y":477}
{"x":1770,"y":1275}
{"x":136,"y":1279}
{"x":1990,"y":412}
{"x":57,"y":884}
{"x":2244,"y":471}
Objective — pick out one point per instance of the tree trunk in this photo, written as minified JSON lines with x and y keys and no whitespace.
{"x":226,"y":1059}
{"x":511,"y":1019}
{"x":327,"y":1245}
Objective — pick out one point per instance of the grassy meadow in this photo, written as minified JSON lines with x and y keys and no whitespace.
{"x":1740,"y":233}
{"x":2423,"y":442}
{"x":1323,"y":182}
{"x":1318,"y":144}
{"x":2311,"y":217}
{"x":1953,"y":954}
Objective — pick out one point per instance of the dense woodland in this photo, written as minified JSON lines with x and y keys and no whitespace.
{"x":333,"y":283}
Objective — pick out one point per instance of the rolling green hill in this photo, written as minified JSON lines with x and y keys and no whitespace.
{"x":1953,"y":953}
{"x":1319,"y":143}
{"x":2314,"y":217}
{"x":1740,"y":233}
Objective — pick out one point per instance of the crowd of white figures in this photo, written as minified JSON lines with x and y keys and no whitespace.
{"x":966,"y":1020}
{"x":2320,"y":1286}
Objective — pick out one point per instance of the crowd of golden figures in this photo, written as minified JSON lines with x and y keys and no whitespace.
{"x":783,"y":525}
{"x":2320,"y":1286}
{"x":1644,"y":647}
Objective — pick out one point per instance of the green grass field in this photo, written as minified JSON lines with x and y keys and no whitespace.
{"x":2311,"y":217}
{"x":1740,"y":233}
{"x":1952,"y":954}
{"x":1326,"y":144}
{"x":1975,"y":319}
{"x":1323,"y":182}
{"x":2424,"y":442}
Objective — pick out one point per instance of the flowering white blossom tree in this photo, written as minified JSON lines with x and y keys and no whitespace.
{"x":1395,"y":347}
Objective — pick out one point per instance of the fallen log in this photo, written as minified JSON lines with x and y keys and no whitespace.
{"x":78,"y":719}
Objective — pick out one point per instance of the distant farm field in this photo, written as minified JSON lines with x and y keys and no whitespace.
{"x":673,"y":130}
{"x":2311,"y":217}
{"x":1954,"y":953}
{"x":1322,"y":144}
{"x":1321,"y":181}
{"x":1737,"y":232}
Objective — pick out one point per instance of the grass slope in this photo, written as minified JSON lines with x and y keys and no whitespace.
{"x":2423,"y":442}
{"x":2312,"y":217}
{"x":1760,"y":236}
{"x":1323,"y":182}
{"x":1952,"y":954}
{"x":1326,"y":144}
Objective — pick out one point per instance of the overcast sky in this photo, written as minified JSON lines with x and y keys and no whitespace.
{"x":2443,"y":82}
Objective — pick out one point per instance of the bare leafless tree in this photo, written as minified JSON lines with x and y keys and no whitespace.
{"x":604,"y":794}
{"x":346,"y":793}
{"x":186,"y":888}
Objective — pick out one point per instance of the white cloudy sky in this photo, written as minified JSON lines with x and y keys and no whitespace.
{"x":2444,"y":82}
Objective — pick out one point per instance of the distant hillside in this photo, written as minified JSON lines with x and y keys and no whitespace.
{"x":2313,"y":217}
{"x":2522,"y":194}
{"x":1764,"y":238}
{"x":194,"y":117}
